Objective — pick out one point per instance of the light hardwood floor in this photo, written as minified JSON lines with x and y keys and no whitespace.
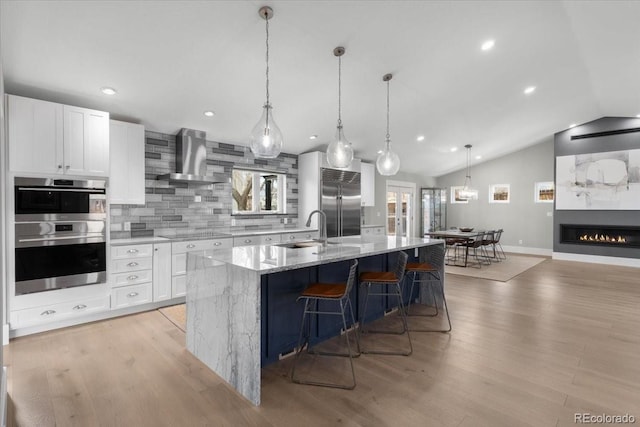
{"x":561,"y":338}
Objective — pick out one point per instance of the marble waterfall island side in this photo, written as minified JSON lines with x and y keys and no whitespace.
{"x":241,"y":302}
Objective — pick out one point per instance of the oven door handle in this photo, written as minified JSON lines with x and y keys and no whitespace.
{"x":65,"y":190}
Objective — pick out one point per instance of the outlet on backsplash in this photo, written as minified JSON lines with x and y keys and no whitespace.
{"x":126,"y":226}
{"x":197,"y":198}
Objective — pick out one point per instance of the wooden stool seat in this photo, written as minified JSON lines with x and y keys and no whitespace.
{"x":421,"y":267}
{"x":378,"y":277}
{"x":325,"y":290}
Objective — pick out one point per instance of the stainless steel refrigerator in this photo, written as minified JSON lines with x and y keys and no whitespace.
{"x":340,"y":201}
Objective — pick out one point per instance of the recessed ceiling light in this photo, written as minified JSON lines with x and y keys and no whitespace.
{"x":313,"y":137}
{"x":529,"y":90}
{"x":108,"y":90}
{"x":638,"y":115}
{"x":488,"y":45}
{"x":209,"y":113}
{"x":420,"y":138}
{"x":478,"y":157}
{"x":572,"y":125}
{"x":379,"y":151}
{"x":454,"y":149}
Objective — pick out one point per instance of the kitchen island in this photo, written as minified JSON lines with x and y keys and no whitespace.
{"x":241,"y":302}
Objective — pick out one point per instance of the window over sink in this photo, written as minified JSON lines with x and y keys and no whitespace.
{"x":258,"y":192}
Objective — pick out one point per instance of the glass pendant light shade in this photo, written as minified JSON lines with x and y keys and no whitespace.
{"x":388,"y":162}
{"x":468,"y":192}
{"x":266,"y":138}
{"x":339,"y":151}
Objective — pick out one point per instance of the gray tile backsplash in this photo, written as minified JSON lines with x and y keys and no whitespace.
{"x":171,"y":207}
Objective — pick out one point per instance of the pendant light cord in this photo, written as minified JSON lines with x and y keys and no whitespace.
{"x":266,"y":18}
{"x":388,"y":135}
{"x":339,"y":91}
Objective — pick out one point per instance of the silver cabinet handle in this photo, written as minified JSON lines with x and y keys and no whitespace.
{"x":48,"y":313}
{"x":80,"y":307}
{"x":132,"y":264}
{"x":191,"y":246}
{"x":132,"y":251}
{"x":217,"y":243}
{"x":247,"y":240}
{"x":59,"y":166}
{"x":268,"y":239}
{"x":132,"y":294}
{"x":68,"y":167}
{"x":292,"y":237}
{"x":156,"y":249}
{"x":132,"y":277}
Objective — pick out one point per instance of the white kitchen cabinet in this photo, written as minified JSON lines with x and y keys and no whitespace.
{"x":46,"y":138}
{"x":161,"y":271}
{"x":127,"y":296}
{"x":58,"y":311}
{"x":368,"y":184}
{"x":35,"y":134}
{"x":300,"y":236}
{"x":131,"y":275}
{"x":372,"y":231}
{"x":257,"y":239}
{"x":86,"y":141}
{"x":179,"y":251}
{"x":126,"y":176}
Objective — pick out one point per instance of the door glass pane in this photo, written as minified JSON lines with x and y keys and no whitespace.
{"x":391,"y":213}
{"x":406,"y":211}
{"x":241,"y":188}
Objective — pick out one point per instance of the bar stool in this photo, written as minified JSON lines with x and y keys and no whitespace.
{"x":337,"y":292}
{"x":390,"y":285}
{"x":428,"y":273}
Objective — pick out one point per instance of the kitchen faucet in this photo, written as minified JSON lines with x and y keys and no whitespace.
{"x":322,"y":226}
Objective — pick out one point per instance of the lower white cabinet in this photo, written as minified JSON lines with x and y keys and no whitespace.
{"x":272,"y":239}
{"x":60,"y":311}
{"x":179,"y":251}
{"x":300,"y":236}
{"x":161,"y":271}
{"x":372,"y":231}
{"x":126,"y":296}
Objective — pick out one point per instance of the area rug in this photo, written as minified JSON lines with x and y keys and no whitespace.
{"x":501,"y":271}
{"x":177,"y":314}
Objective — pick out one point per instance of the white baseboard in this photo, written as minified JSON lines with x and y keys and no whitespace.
{"x":3,"y":398}
{"x":527,"y":250}
{"x":5,"y":334}
{"x":597,"y":259}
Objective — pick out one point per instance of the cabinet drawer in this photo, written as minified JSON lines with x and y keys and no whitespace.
{"x":131,"y":295}
{"x":131,"y":278}
{"x":193,"y":245}
{"x":270,"y":239}
{"x":126,"y":265}
{"x":131,"y":251}
{"x":178,"y":286}
{"x":296,"y":237}
{"x":60,"y":311}
{"x":246,"y":241}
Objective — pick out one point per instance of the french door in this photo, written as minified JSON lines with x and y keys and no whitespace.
{"x":400,"y":208}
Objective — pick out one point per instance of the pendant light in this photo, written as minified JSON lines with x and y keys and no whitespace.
{"x":339,"y":152}
{"x":467,"y":192}
{"x":266,"y":138}
{"x":388,"y":162}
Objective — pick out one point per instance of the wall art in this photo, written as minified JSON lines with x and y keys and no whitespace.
{"x":499,"y":193}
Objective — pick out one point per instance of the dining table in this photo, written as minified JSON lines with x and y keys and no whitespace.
{"x":462,"y":238}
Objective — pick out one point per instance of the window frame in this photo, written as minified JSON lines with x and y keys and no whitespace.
{"x":257,"y":174}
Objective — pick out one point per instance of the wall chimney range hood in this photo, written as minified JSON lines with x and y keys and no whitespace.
{"x":191,"y":160}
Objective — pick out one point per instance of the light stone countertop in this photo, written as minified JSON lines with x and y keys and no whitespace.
{"x":244,"y":233}
{"x":266,"y":259}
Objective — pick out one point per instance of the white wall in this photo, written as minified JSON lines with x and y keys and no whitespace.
{"x":522,"y":219}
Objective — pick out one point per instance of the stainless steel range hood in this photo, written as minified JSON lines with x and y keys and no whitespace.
{"x":191,"y":160}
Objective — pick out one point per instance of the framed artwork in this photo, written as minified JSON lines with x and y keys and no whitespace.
{"x":544,"y":192}
{"x":499,"y":193}
{"x":598,"y":181}
{"x":455,"y":195}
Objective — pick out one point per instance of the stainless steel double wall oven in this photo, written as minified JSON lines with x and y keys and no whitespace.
{"x":60,"y":233}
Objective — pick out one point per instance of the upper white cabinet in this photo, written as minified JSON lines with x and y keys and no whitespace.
{"x":368,"y":184}
{"x":126,"y":142}
{"x":45,"y":137}
{"x":34,"y":130}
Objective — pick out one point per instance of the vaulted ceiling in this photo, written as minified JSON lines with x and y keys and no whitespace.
{"x":172,"y":60}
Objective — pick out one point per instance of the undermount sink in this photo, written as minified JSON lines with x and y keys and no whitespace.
{"x":303,"y":244}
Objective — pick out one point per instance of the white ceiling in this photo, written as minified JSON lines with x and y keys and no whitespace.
{"x":172,"y":60}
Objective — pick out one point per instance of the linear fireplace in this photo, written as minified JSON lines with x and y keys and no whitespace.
{"x":605,"y":235}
